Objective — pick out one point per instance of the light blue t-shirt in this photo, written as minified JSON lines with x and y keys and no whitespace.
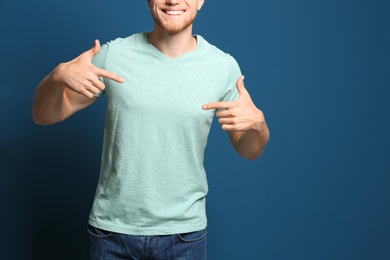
{"x":152,"y":179}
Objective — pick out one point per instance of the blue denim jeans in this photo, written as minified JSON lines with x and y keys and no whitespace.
{"x":105,"y":245}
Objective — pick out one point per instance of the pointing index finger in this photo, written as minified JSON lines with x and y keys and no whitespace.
{"x":217,"y":105}
{"x":110,"y":75}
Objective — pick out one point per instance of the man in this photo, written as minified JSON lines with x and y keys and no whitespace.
{"x":150,"y":200}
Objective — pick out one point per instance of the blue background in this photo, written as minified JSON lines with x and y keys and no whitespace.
{"x":320,"y":71}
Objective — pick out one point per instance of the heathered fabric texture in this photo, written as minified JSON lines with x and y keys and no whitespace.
{"x":152,"y":179}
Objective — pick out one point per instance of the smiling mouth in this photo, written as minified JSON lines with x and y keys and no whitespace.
{"x":173,"y":12}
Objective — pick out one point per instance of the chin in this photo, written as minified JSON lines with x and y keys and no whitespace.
{"x":174,"y":28}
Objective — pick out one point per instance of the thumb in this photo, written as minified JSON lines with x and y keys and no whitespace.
{"x":240,"y":86}
{"x":94,"y":50}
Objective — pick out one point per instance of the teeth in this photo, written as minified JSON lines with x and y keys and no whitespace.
{"x":174,"y":12}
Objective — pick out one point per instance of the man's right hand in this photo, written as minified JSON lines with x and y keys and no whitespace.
{"x":81,"y":76}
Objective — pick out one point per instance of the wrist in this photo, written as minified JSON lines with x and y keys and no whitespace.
{"x":57,"y":72}
{"x":260,"y":120}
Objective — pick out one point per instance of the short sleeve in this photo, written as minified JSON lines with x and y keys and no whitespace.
{"x":99,"y":60}
{"x":233,"y":75}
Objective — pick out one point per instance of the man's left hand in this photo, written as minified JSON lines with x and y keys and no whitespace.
{"x":238,"y":115}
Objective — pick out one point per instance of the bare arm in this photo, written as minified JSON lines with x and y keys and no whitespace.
{"x":250,"y":143}
{"x":69,"y":88}
{"x":54,"y":102}
{"x":244,"y":122}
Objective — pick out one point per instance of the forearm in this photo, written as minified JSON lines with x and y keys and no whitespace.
{"x":250,"y":144}
{"x":48,"y":107}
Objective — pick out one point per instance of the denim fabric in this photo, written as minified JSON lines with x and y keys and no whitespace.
{"x":105,"y":245}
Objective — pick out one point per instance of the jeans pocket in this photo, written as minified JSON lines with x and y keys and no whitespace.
{"x":193,"y":236}
{"x":98,"y":233}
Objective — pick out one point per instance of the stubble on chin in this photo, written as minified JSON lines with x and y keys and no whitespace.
{"x":173,"y":28}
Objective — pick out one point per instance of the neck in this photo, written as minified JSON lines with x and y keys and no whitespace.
{"x":172,"y":45}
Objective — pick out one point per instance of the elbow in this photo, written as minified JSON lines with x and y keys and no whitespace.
{"x":254,"y":153}
{"x":36,"y":118}
{"x":40,"y":122}
{"x":40,"y":119}
{"x":252,"y":156}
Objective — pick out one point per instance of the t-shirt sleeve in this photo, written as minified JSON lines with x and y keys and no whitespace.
{"x":99,"y":60}
{"x":233,"y":75}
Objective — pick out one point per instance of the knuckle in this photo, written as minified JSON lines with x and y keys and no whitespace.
{"x":233,"y":113}
{"x":59,"y":70}
{"x":61,"y":66}
{"x":90,"y":76}
{"x":83,"y":87}
{"x":233,"y":121}
{"x":81,"y":91}
{"x":83,"y":82}
{"x":93,"y":68}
